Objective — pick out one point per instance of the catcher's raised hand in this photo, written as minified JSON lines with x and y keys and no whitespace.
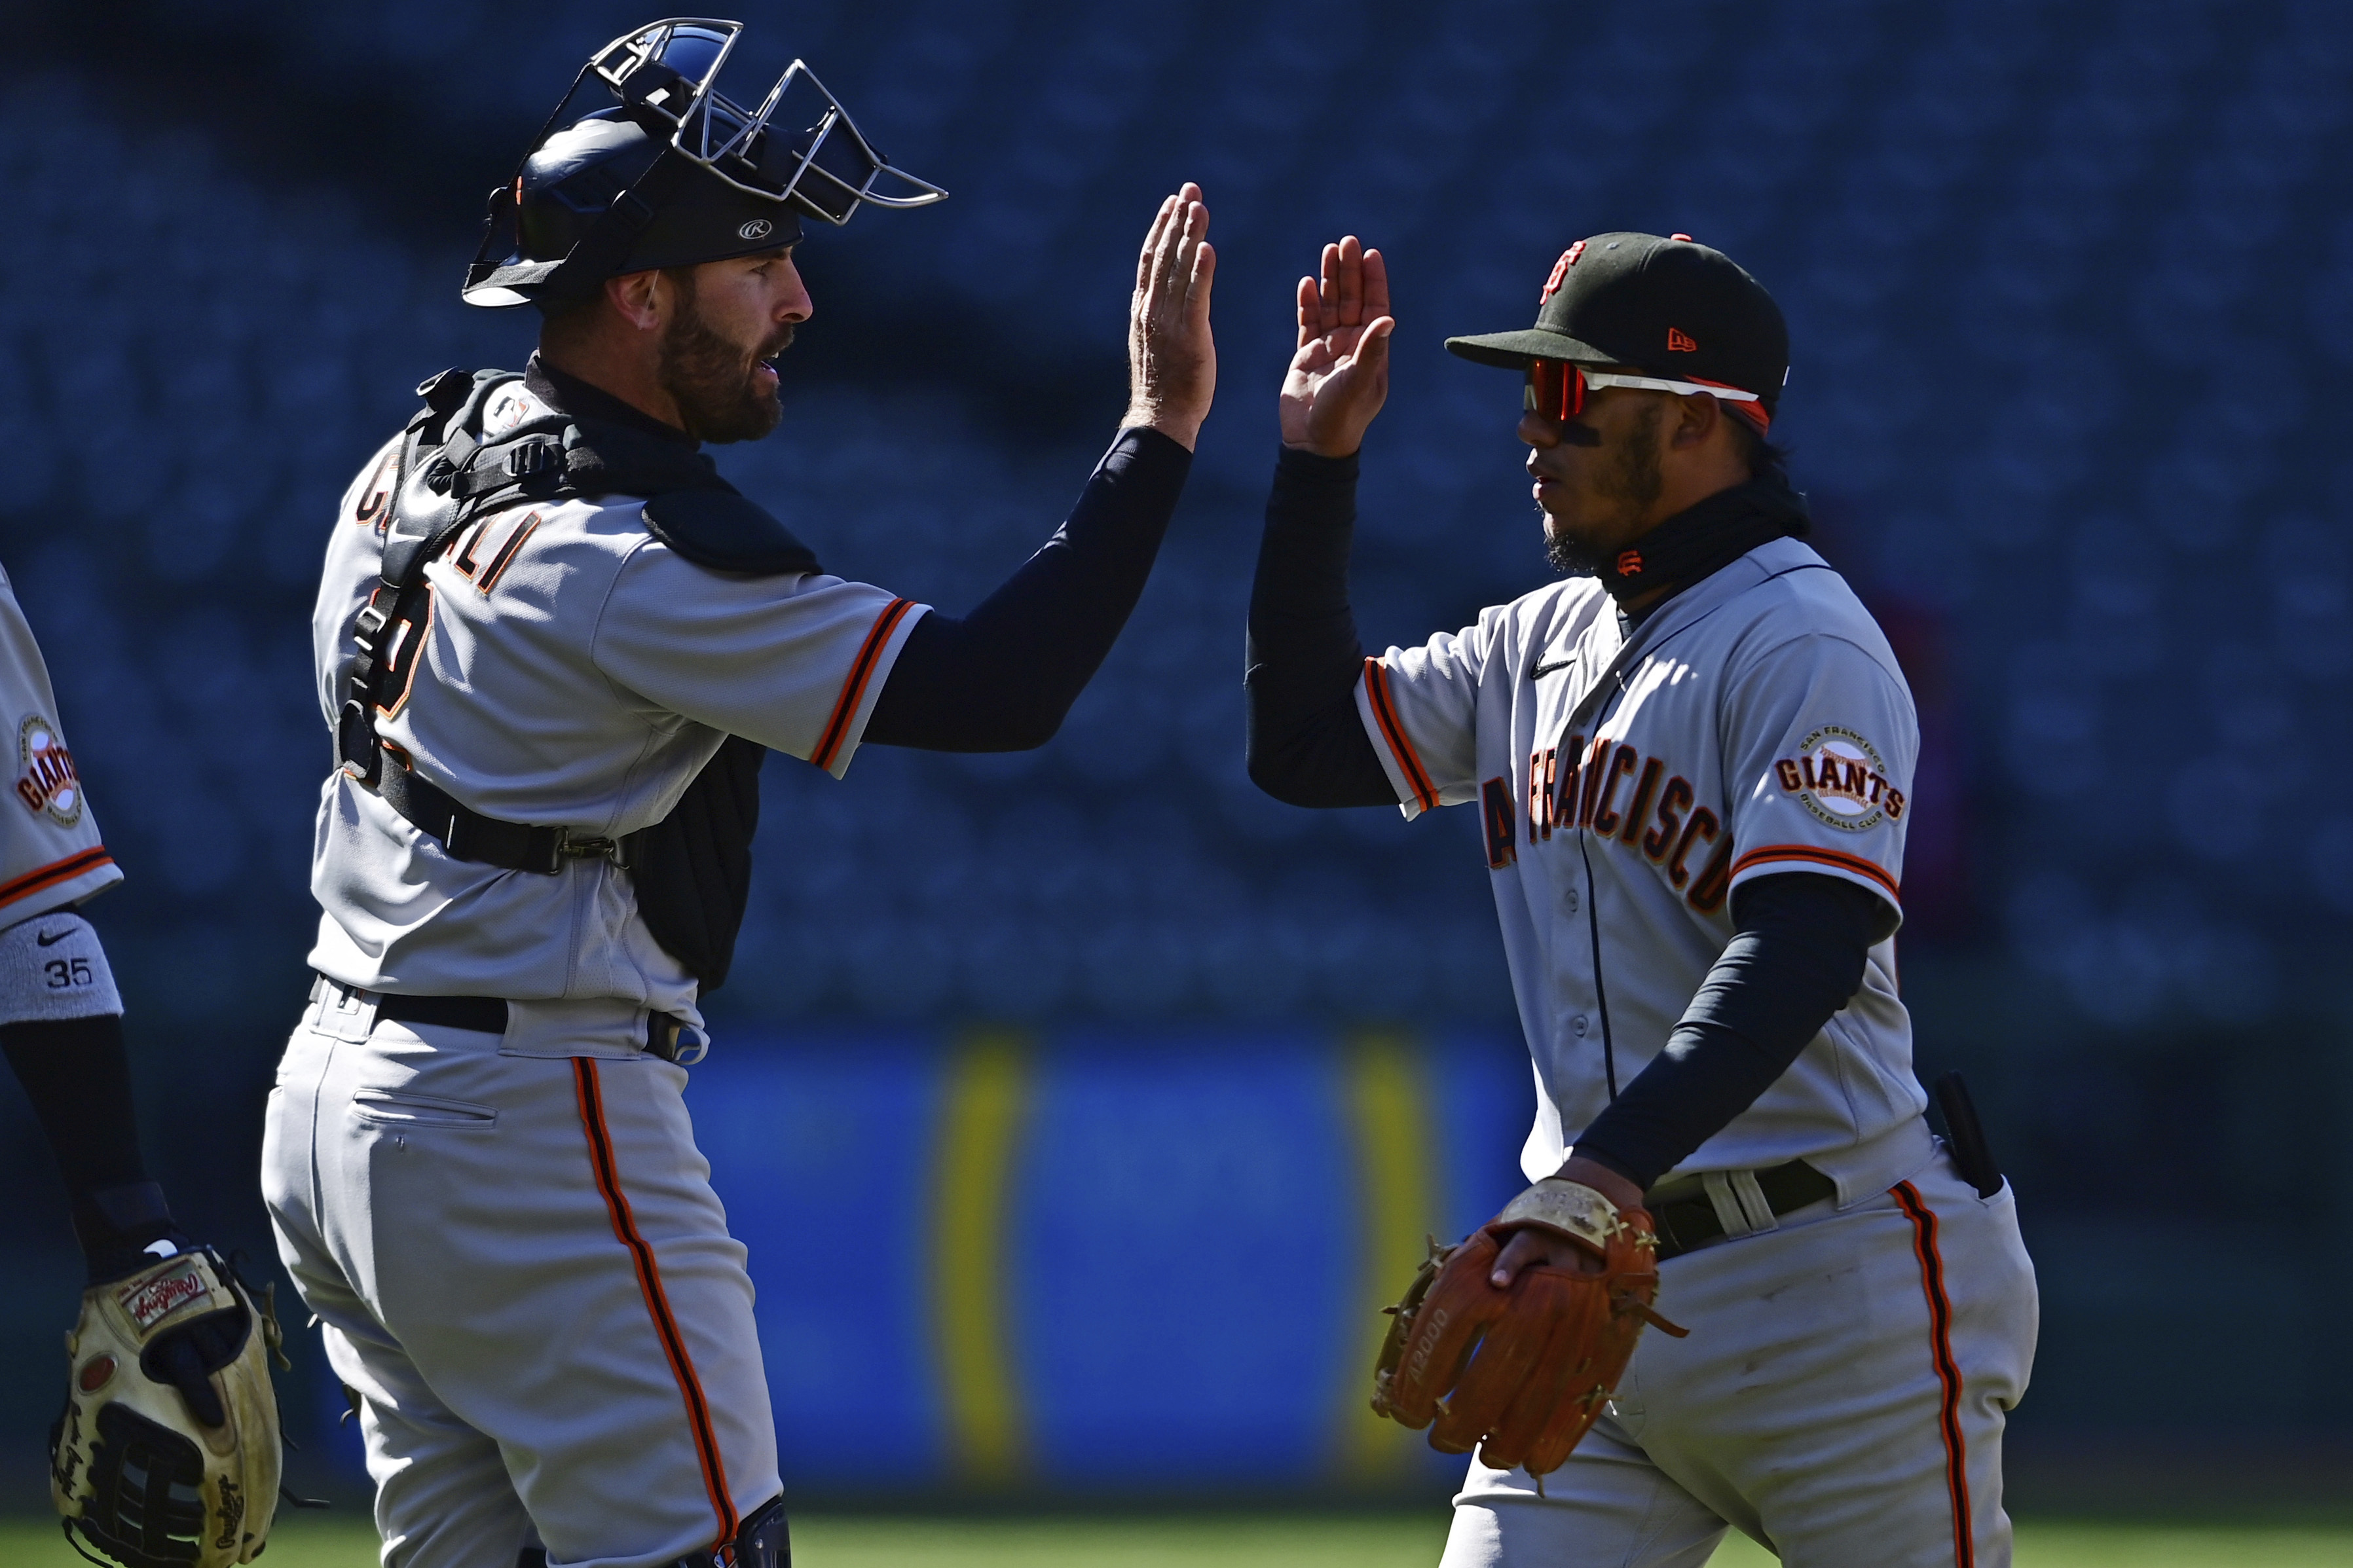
{"x":1172,"y":360}
{"x":1340,"y":376}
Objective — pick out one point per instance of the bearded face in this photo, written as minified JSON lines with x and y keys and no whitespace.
{"x":1618,"y":489}
{"x":726,"y":390}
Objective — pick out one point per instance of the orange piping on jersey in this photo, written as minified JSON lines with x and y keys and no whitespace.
{"x":1774,"y":853}
{"x":591,"y":1094}
{"x":44,"y":877}
{"x":1948,"y":1374}
{"x":1408,"y":760}
{"x":853,"y":686}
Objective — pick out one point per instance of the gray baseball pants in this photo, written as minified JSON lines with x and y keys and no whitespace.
{"x":522,"y":1273}
{"x":1841,"y":1399}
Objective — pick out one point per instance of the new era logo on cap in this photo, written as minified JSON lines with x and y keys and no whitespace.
{"x":1669,"y":307}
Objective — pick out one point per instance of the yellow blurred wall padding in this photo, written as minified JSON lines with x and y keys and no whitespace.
{"x":982,"y":1118}
{"x":1391,"y":1132}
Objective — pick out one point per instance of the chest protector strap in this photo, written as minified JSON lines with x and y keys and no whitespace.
{"x":691,"y":869}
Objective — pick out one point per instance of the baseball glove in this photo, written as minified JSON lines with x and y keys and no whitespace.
{"x":1528,"y":1368}
{"x":166,"y":1454}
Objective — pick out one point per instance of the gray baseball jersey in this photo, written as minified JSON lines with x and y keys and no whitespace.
{"x":576,"y":673}
{"x":50,"y":852}
{"x":1760,"y":725}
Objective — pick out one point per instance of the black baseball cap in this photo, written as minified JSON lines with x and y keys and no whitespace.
{"x":1670,"y":306}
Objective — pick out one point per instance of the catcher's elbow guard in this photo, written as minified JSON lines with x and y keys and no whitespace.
{"x":166,"y":1454}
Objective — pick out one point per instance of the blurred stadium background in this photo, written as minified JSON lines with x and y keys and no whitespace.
{"x":1078,"y":1105}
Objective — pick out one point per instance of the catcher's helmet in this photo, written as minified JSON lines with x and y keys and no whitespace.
{"x":644,"y":165}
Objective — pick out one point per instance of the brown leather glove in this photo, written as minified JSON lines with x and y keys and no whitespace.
{"x":1528,"y":1367}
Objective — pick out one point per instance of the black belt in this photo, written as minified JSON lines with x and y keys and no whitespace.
{"x":1685,"y":1223}
{"x":486,"y":1015}
{"x":666,"y":1037}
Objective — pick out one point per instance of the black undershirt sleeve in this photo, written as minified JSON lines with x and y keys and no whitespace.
{"x":1002,"y":677}
{"x":77,"y":1077}
{"x":1796,"y":957}
{"x":1307,"y":744}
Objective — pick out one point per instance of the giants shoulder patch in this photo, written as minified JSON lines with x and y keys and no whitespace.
{"x":1838,"y":775}
{"x":47,"y":781}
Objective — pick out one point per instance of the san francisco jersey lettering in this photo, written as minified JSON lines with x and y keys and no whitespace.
{"x":1759,"y":726}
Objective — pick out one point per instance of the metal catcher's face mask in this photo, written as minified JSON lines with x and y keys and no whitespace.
{"x":646,"y":163}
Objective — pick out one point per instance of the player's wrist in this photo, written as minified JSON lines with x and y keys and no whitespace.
{"x":1184,"y":428}
{"x":1591,"y":1171}
{"x":118,"y":1226}
{"x":1297,"y":464}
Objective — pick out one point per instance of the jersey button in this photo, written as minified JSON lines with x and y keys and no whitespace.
{"x":1576,"y":1025}
{"x":1572,"y":901}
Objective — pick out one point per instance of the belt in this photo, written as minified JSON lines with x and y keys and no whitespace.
{"x":484,"y":1015}
{"x":666,"y":1037}
{"x":1685,"y":1217}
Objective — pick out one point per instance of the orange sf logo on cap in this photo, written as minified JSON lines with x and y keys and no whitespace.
{"x":1560,"y":270}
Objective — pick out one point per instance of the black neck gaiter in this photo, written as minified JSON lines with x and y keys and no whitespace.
{"x":1705,"y":538}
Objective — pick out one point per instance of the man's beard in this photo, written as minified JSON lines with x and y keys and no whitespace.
{"x":717,"y":390}
{"x":1631,"y":478}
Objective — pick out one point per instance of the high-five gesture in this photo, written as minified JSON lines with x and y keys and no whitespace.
{"x":1172,"y":361}
{"x":1340,"y":376}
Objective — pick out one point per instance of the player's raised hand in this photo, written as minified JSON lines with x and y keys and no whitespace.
{"x":1172,"y":361}
{"x":1340,"y":376}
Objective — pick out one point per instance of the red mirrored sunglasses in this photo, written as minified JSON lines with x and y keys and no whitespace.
{"x":1557,"y":389}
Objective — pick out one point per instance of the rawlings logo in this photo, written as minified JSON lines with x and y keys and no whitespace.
{"x":757,"y":229}
{"x":68,"y":1448}
{"x":149,"y":1303}
{"x":232,"y":1514}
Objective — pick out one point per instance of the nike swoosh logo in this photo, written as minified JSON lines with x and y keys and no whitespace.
{"x":49,"y":938}
{"x":1540,"y":672}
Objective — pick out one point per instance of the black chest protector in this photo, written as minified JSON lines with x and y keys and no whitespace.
{"x":692,"y":869}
